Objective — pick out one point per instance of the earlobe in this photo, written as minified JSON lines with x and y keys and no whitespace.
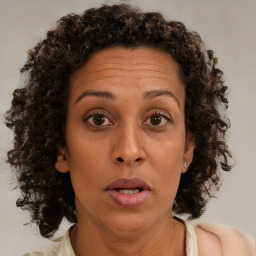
{"x":61,"y":163}
{"x":188,"y":153}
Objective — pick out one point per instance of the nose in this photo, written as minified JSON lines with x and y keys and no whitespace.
{"x":128,"y":149}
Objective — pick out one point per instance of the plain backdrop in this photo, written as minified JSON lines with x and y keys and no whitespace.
{"x":227,"y":26}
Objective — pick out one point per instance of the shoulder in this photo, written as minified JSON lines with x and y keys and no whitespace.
{"x":63,"y":247}
{"x":224,"y":241}
{"x":51,"y":253}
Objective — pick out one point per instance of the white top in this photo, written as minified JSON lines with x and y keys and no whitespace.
{"x":226,"y":242}
{"x":65,"y":247}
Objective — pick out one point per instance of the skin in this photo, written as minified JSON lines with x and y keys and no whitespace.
{"x":153,"y":152}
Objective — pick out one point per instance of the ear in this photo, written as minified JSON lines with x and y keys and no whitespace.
{"x":188,"y":152}
{"x":61,"y":163}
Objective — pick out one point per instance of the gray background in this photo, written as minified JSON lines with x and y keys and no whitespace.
{"x":227,"y":26}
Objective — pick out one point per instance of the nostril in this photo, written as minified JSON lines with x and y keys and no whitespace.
{"x":119,"y":159}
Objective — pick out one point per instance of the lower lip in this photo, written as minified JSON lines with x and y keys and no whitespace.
{"x":129,"y":200}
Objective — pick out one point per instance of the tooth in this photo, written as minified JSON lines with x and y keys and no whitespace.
{"x":128,"y":191}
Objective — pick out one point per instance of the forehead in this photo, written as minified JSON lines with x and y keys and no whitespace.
{"x":123,"y":69}
{"x":132,"y":59}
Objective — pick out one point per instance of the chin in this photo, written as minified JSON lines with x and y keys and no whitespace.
{"x":131,"y":223}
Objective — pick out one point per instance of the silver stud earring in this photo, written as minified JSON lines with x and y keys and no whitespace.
{"x":185,"y":163}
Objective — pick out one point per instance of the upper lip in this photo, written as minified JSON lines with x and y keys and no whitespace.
{"x":129,"y":183}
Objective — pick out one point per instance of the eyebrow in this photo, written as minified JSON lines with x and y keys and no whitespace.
{"x":148,"y":95}
{"x":102,"y":94}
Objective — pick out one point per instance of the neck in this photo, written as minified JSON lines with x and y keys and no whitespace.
{"x":163,"y":239}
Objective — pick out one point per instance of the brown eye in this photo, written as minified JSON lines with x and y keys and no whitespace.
{"x":155,"y":119}
{"x":98,"y":119}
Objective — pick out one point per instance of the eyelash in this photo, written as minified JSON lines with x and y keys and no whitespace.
{"x":96,"y":113}
{"x":99,"y":113}
{"x":162,"y":115}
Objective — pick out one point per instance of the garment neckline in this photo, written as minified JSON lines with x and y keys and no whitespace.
{"x":191,"y":238}
{"x":66,"y":249}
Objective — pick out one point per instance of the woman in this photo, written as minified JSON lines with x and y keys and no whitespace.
{"x":118,"y":129}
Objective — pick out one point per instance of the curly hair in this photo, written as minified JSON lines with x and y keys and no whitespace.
{"x":38,"y":112}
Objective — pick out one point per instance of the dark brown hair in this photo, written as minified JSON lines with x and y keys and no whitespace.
{"x":38,"y":112}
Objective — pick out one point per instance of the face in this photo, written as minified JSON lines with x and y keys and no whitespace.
{"x":125,"y":120}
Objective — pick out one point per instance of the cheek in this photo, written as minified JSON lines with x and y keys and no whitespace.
{"x":86,"y":164}
{"x":166,"y":160}
{"x":168,"y":156}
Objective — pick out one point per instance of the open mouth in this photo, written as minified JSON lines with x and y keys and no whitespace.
{"x":134,"y":185}
{"x":129,"y":191}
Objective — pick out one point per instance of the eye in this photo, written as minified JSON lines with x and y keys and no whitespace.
{"x":157,"y":120}
{"x":98,"y":119}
